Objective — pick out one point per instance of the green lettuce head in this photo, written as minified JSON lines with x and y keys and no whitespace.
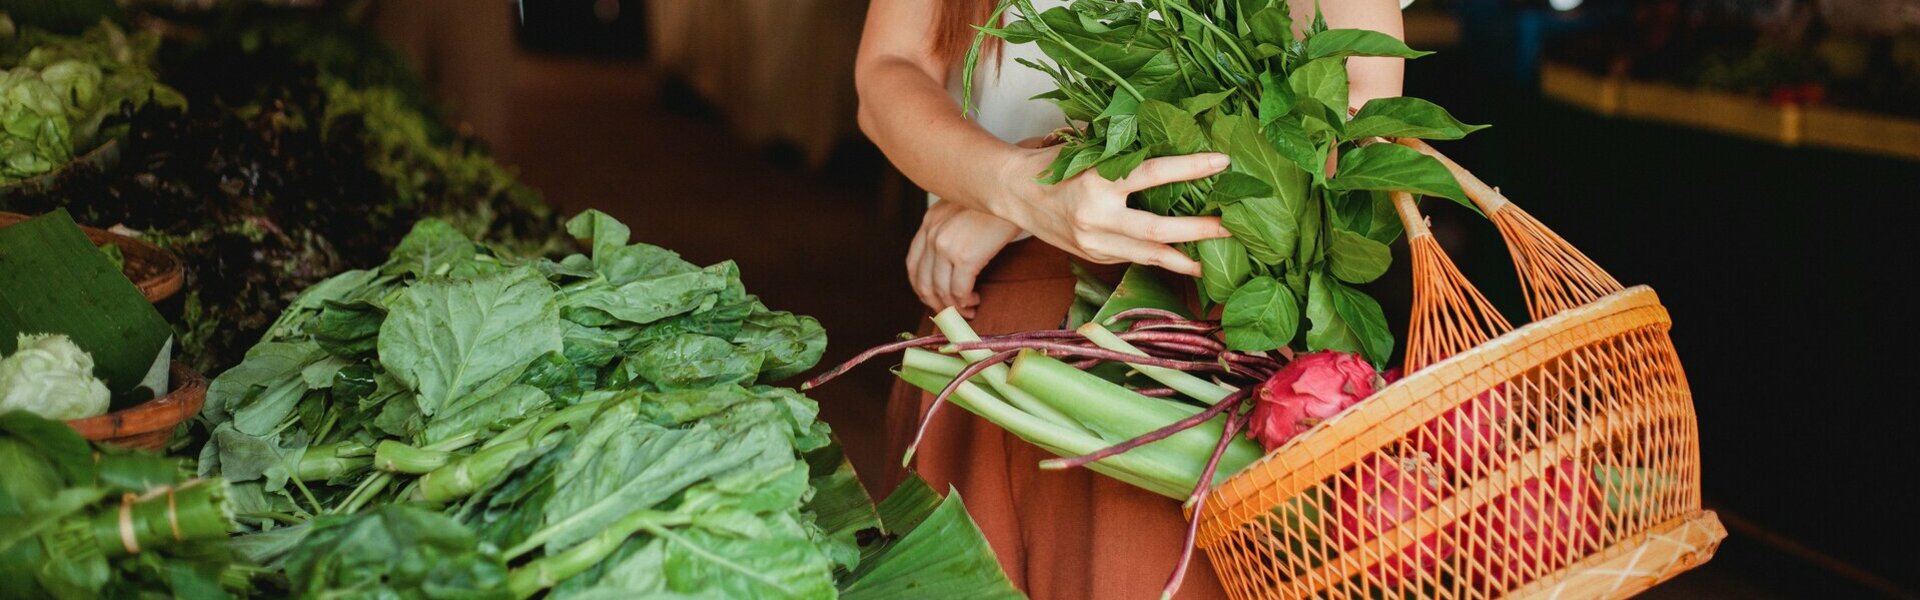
{"x":50,"y":376}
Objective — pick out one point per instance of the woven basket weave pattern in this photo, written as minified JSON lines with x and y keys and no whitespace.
{"x":1575,"y":467}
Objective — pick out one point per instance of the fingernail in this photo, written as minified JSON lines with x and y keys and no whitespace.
{"x":1218,"y":161}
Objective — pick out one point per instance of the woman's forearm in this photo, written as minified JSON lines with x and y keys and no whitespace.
{"x":920,"y":128}
{"x":1371,"y":76}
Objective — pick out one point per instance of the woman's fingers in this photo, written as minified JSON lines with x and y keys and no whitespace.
{"x":942,"y":273}
{"x":960,"y":279}
{"x":1170,"y":169}
{"x":1146,"y":226}
{"x":1158,"y":255}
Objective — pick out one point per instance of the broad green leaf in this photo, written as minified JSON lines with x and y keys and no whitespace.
{"x":1223,"y":266}
{"x":1385,"y":226}
{"x":1329,"y":331}
{"x":1240,"y":138}
{"x":694,"y":360}
{"x":788,"y":344}
{"x":1276,"y":98}
{"x":1392,"y":167}
{"x":395,"y":551}
{"x":449,"y":338}
{"x":1354,"y":258}
{"x":1231,"y":187}
{"x":1357,"y":42}
{"x":1322,"y":80}
{"x":648,"y":299}
{"x":1083,"y":158}
{"x":1289,"y":136}
{"x":1168,"y":130}
{"x":1120,"y":124}
{"x":937,"y":553}
{"x":1262,"y":315}
{"x":1119,"y":48}
{"x":1407,"y":117}
{"x":1118,"y":167}
{"x":1364,"y":319}
{"x":432,"y":247}
{"x":1195,"y":105}
{"x":1265,"y":227}
{"x":1271,"y":25}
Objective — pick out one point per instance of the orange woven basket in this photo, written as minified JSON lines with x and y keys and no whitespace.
{"x":1560,"y":459}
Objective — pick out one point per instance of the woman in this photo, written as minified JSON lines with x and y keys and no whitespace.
{"x":998,"y":245}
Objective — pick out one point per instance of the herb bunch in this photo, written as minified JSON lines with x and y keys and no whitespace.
{"x":1149,"y":78}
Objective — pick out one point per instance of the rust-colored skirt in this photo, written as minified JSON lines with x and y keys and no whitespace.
{"x":1059,"y":534}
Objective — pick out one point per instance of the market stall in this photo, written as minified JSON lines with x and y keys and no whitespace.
{"x":273,"y":330}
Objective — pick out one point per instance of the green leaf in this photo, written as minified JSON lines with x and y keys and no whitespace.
{"x":648,"y":299}
{"x":1167,"y":130}
{"x":1262,"y":315}
{"x":1265,"y":227}
{"x":1289,"y":136}
{"x":1271,"y":25}
{"x":1276,"y":98}
{"x":1231,"y":187}
{"x":1118,"y":167}
{"x":938,"y":554}
{"x":788,"y":344}
{"x":1240,"y":138}
{"x":1324,"y":81}
{"x":395,"y":551}
{"x":432,"y":247}
{"x":1223,"y":266}
{"x":1364,"y":319}
{"x":1392,"y":167}
{"x":1385,"y":226}
{"x":1354,"y":258}
{"x":694,"y":361}
{"x":1330,"y":330}
{"x":1357,"y":42}
{"x":1194,"y":105}
{"x":449,"y":338}
{"x":1407,"y":117}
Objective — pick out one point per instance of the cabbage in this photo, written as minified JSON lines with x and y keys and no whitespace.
{"x":50,"y":376}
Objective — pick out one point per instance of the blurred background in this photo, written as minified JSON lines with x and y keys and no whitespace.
{"x":1753,"y":160}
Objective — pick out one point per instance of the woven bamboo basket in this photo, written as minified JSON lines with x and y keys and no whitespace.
{"x":148,"y":425}
{"x":1559,"y":459}
{"x":156,"y":272}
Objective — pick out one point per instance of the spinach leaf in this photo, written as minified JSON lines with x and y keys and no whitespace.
{"x":1262,"y":315}
{"x":1407,"y":117}
{"x":1392,"y":167}
{"x":446,"y":339}
{"x":1334,"y":43}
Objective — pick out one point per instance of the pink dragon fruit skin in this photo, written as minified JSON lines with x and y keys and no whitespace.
{"x":1465,"y":439}
{"x":1386,"y":494}
{"x":1546,"y":534}
{"x":1311,"y":389}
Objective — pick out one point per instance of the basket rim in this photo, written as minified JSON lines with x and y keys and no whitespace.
{"x":162,"y":413}
{"x":1414,"y":400}
{"x":169,"y":273}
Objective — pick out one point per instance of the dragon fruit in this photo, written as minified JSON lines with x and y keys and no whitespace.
{"x":1538,"y":535}
{"x":1388,"y":492}
{"x":1464,"y":439}
{"x":1311,"y":389}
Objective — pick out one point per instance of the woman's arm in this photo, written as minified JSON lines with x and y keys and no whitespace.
{"x":905,"y":109}
{"x":1368,"y":77}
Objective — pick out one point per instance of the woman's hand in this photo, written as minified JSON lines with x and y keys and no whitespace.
{"x":953,"y":245}
{"x":1088,"y":215}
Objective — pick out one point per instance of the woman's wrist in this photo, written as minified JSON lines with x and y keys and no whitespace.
{"x":1014,"y":188}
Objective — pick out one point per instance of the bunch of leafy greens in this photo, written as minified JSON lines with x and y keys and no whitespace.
{"x":289,"y":167}
{"x":1148,"y":78}
{"x":60,"y":91}
{"x":599,"y":425}
{"x":84,"y":522}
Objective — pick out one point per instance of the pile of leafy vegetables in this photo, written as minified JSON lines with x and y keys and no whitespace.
{"x":81,"y":522}
{"x":594,"y":425}
{"x":287,"y":168}
{"x":1147,"y":78}
{"x":60,"y":90}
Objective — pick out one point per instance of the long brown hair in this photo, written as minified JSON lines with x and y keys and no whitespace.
{"x":953,"y":28}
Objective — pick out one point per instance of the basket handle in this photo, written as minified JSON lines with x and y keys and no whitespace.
{"x":1449,"y":314}
{"x":1554,"y":275}
{"x":1487,"y":197}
